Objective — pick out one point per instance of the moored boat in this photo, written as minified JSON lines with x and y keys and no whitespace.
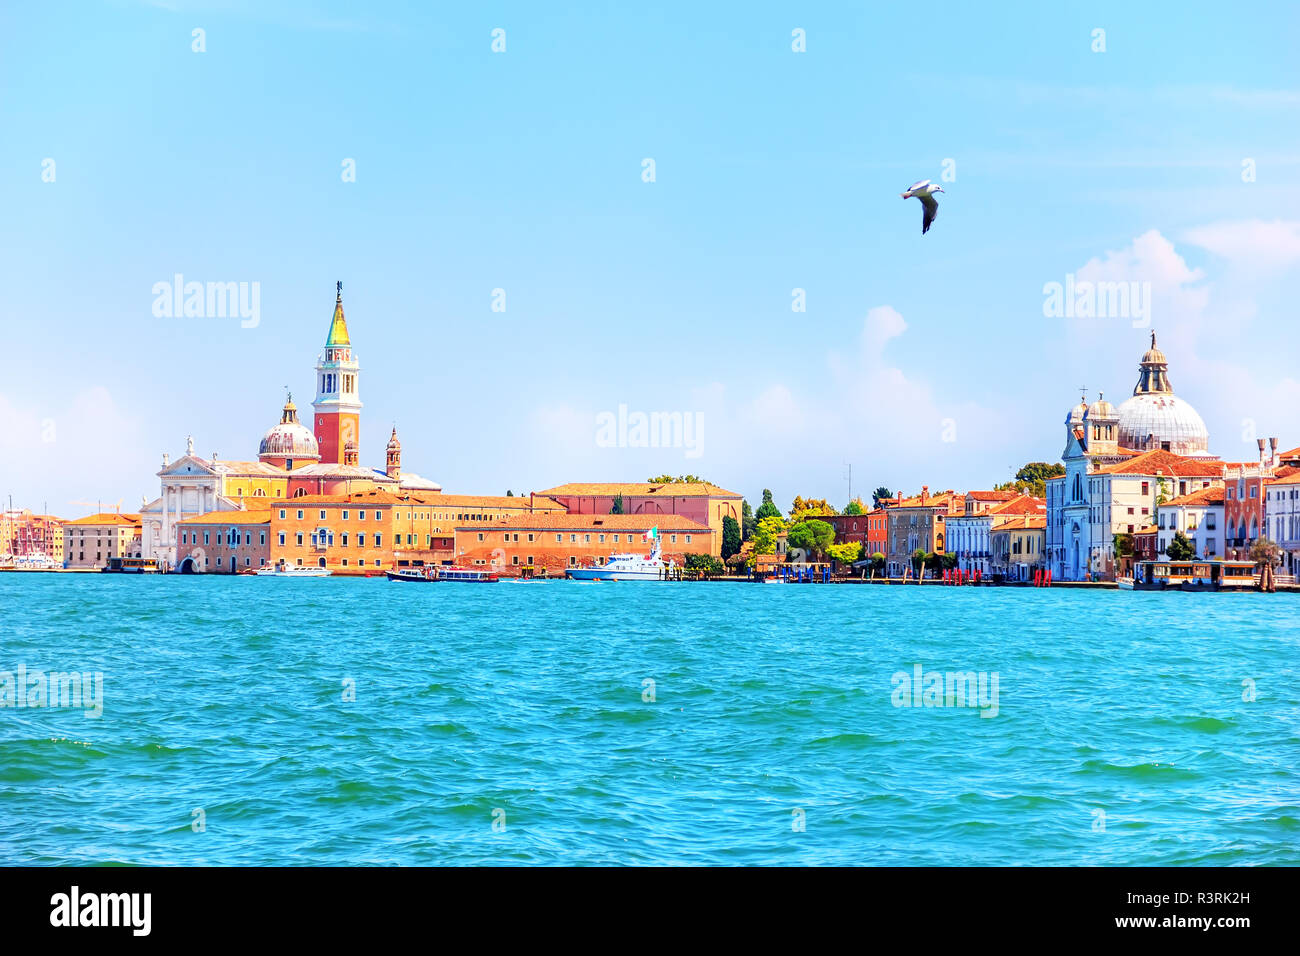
{"x":1195,"y":575}
{"x":130,"y":566}
{"x":454,"y":572}
{"x":628,"y":567}
{"x":425,"y":574}
{"x":283,"y":570}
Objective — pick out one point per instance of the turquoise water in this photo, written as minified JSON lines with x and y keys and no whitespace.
{"x":523,"y":704}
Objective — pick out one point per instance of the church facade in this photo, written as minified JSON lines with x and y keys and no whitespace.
{"x":1120,"y":463}
{"x":293,"y":461}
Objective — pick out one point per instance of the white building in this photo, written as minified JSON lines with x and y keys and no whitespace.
{"x":1282,"y":518}
{"x":1199,"y":516}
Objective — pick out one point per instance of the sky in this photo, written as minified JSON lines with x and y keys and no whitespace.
{"x":392,"y":148}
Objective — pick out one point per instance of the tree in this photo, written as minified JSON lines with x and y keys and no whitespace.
{"x":1123,"y":544}
{"x":845,"y":553}
{"x":1031,"y":479}
{"x":918,"y":559}
{"x":878,"y":562}
{"x":730,"y":536}
{"x":812,"y":535}
{"x":766,"y":532}
{"x":768,"y":508}
{"x":1180,"y":548}
{"x":804,"y":508}
{"x":706,"y":563}
{"x":1265,"y":553}
{"x":855,"y":507}
{"x":679,"y":480}
{"x":747,"y":521}
{"x":617,"y":508}
{"x":881,"y":494}
{"x":509,"y":493}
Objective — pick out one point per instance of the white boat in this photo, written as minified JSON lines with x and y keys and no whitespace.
{"x":628,"y":567}
{"x":773,"y":580}
{"x":1124,"y":584}
{"x":283,"y":570}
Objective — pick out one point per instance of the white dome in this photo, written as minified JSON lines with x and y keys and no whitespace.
{"x":1149,"y":420}
{"x":289,"y":440}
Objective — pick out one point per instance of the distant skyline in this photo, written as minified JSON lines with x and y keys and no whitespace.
{"x":396,"y":151}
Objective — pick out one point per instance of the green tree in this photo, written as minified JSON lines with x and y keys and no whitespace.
{"x":881,"y":494}
{"x":766,"y":532}
{"x":918,"y":559}
{"x":509,"y":493}
{"x":855,"y":507}
{"x":809,"y":508}
{"x":706,"y":563}
{"x":812,"y":535}
{"x":1180,"y":548}
{"x":845,"y":553}
{"x":617,"y":508}
{"x":768,"y":508}
{"x":1123,"y":544}
{"x":730,"y":536}
{"x":679,"y":480}
{"x":1031,"y":479}
{"x":747,"y":521}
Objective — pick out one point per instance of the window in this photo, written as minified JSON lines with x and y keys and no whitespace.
{"x":300,"y":539}
{"x":299,"y":514}
{"x":281,"y":514}
{"x":530,"y":538}
{"x":345,"y":514}
{"x":345,"y":539}
{"x":480,"y":535}
{"x":282,"y":539}
{"x":379,"y":541}
{"x":361,"y":540}
{"x":1146,"y":487}
{"x":361,"y":515}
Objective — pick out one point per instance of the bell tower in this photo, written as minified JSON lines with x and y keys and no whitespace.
{"x":338,"y":403}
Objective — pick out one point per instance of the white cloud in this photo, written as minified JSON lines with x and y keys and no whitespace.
{"x":1252,"y":246}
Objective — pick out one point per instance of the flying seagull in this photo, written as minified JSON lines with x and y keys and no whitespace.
{"x":924,"y":191}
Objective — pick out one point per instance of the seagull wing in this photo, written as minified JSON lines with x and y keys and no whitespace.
{"x":930,"y":209}
{"x":915,"y":186}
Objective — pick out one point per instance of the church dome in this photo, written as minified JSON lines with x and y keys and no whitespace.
{"x":1154,"y":420}
{"x":290,"y":438}
{"x":1100,"y":409}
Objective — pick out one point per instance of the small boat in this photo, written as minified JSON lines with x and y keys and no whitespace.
{"x":130,"y":566}
{"x":283,"y":570}
{"x":772,"y":579}
{"x":627,"y":567}
{"x":1124,"y":584}
{"x":425,"y":574}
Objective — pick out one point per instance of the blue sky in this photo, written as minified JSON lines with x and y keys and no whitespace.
{"x":920,"y":360}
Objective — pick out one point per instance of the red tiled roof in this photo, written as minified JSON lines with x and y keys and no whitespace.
{"x":991,"y":495}
{"x":1020,"y":505}
{"x":227,"y":518}
{"x":1166,"y":464}
{"x":107,"y":517}
{"x":1202,"y":496}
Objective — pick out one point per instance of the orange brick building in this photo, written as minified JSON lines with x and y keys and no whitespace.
{"x":551,"y":543}
{"x":700,"y":502}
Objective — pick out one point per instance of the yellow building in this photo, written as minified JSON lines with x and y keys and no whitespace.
{"x":90,"y":541}
{"x":1018,"y":545}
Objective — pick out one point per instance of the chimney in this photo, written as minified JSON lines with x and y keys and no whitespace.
{"x":925,"y":493}
{"x":1272,"y":452}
